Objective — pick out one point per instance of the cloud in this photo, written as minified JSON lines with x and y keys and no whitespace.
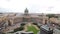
{"x":34,"y":6}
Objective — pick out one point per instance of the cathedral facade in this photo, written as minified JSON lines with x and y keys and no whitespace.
{"x":27,"y":17}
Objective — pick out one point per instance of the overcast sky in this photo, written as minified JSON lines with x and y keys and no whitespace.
{"x":34,"y":6}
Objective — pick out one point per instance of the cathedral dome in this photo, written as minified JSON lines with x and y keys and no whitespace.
{"x":26,"y":11}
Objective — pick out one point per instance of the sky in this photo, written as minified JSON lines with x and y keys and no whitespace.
{"x":34,"y":6}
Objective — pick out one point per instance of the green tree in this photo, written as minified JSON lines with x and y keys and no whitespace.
{"x":19,"y":29}
{"x":52,"y":15}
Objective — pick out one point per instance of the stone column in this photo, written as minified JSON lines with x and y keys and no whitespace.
{"x":47,"y":21}
{"x":7,"y":22}
{"x":43,"y":21}
{"x":11,"y":22}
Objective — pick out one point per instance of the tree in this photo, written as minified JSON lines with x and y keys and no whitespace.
{"x":19,"y":29}
{"x":52,"y":15}
{"x":22,"y":24}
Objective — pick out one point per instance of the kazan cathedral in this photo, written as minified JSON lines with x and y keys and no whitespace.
{"x":10,"y":19}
